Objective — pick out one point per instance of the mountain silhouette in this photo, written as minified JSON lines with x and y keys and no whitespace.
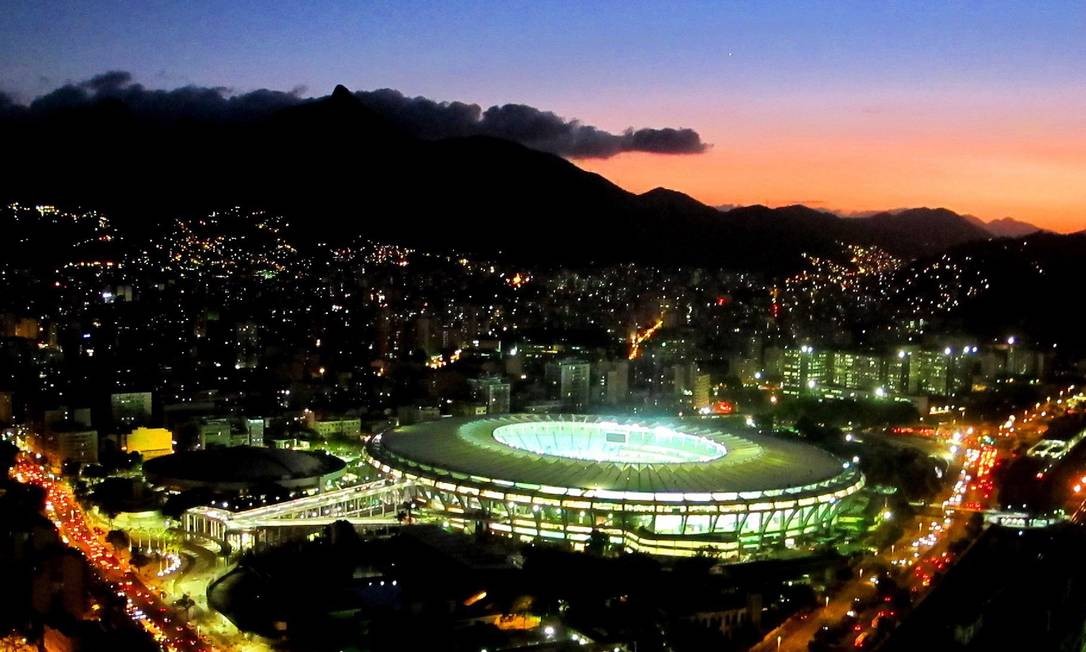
{"x":338,"y":169}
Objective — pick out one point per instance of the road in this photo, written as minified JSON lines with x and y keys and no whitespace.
{"x":143,"y":605}
{"x":922,"y":552}
{"x":917,"y":553}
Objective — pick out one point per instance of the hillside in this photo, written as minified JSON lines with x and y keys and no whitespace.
{"x":337,"y":168}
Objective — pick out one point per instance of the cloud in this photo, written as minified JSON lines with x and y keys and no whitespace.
{"x":524,"y":124}
{"x":419,"y":116}
{"x":213,"y":104}
{"x":108,"y":82}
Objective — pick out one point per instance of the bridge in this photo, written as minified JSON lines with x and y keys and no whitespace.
{"x":371,"y":505}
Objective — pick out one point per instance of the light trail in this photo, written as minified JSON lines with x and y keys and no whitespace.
{"x":637,"y":339}
{"x":142,"y":605}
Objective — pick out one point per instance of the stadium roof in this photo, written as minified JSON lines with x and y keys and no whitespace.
{"x":243,"y":464}
{"x":468,"y":447}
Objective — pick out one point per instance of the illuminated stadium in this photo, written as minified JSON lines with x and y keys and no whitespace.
{"x":667,"y":488}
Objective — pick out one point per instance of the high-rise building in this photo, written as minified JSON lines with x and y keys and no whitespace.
{"x":216,"y":433}
{"x":896,"y":375}
{"x":1021,"y":360}
{"x":611,"y":382}
{"x":79,"y":445}
{"x":131,"y":408}
{"x":493,"y":392}
{"x":574,"y":380}
{"x":423,"y":338}
{"x":929,"y":372}
{"x":254,"y":427}
{"x":857,"y":371}
{"x":773,"y":361}
{"x":70,"y":441}
{"x":248,"y":346}
{"x":805,"y":370}
{"x":702,"y":395}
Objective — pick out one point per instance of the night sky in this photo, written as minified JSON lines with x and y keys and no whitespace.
{"x":979,"y":107}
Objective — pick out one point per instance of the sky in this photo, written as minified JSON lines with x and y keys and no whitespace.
{"x":976,"y":106}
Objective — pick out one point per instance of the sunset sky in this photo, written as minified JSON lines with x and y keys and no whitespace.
{"x":976,"y":106}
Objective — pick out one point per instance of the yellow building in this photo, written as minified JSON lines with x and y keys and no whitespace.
{"x":149,"y":442}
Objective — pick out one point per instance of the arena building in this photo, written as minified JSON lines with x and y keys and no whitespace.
{"x":243,"y":468}
{"x":665,"y":488}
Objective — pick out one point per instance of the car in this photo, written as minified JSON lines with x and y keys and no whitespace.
{"x":865,"y":640}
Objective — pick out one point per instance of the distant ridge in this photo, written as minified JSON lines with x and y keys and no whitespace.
{"x":338,"y":169}
{"x":1008,"y":227}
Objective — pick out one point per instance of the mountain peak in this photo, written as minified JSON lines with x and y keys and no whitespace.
{"x":1008,"y":227}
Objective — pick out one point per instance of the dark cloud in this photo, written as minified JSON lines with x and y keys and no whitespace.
{"x":213,"y":104}
{"x":420,"y":116}
{"x":664,"y":141}
{"x":524,"y":124}
{"x":108,"y":82}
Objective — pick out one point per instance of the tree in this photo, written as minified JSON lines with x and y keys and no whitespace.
{"x":974,"y":525}
{"x":597,"y":542}
{"x":94,"y":471}
{"x":70,"y":468}
{"x":9,"y":452}
{"x":140,"y":559}
{"x":118,"y":538}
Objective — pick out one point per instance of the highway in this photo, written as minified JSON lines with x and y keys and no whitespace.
{"x":922,"y":553}
{"x":143,"y":606}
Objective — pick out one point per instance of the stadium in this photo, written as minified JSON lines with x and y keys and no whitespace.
{"x":664,"y":488}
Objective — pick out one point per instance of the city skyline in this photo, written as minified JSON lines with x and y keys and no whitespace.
{"x":841,"y":107}
{"x":615,"y":326}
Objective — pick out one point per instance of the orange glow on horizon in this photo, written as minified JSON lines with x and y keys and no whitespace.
{"x":1040,"y":181}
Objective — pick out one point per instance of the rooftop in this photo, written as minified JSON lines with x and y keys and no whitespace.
{"x":243,"y":464}
{"x":609,"y":454}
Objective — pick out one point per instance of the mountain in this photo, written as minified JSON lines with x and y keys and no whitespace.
{"x":1008,"y":227}
{"x":1028,"y":286}
{"x":337,"y":169}
{"x":922,"y":230}
{"x":1005,"y":227}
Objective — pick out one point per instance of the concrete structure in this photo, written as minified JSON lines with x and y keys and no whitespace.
{"x":130,"y":408}
{"x":574,"y":380}
{"x":667,"y":488}
{"x":22,"y":327}
{"x":337,"y":427}
{"x":906,"y":371}
{"x":248,"y":346}
{"x":231,"y":432}
{"x":611,"y":382}
{"x":806,"y":370}
{"x":492,"y":392}
{"x":375,"y":505}
{"x":862,"y":371}
{"x":148,"y":442}
{"x":408,"y":414}
{"x":75,"y":444}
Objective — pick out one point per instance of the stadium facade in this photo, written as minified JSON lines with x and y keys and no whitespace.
{"x":665,"y":488}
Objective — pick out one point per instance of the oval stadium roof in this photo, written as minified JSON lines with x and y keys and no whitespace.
{"x":467,"y":447}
